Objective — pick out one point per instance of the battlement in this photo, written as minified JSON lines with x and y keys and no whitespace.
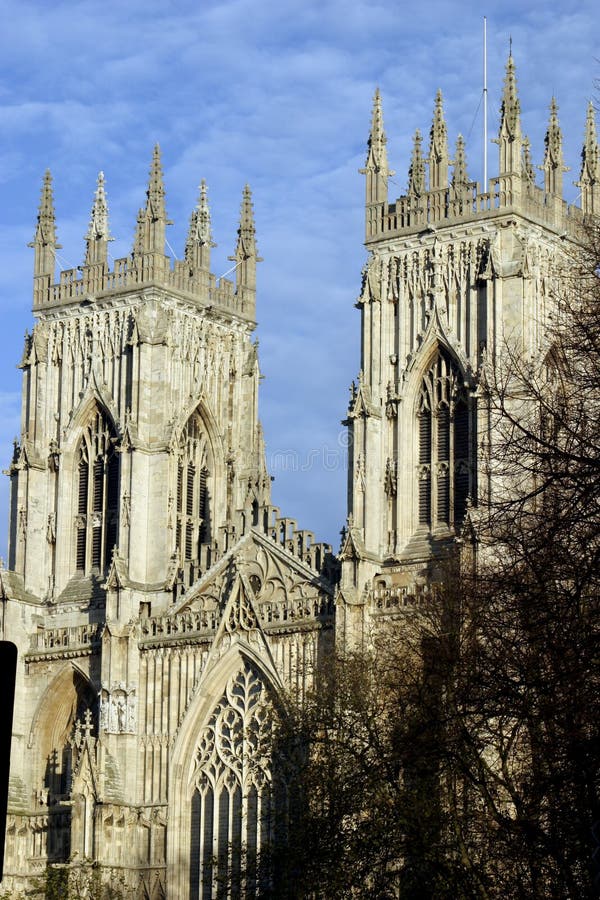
{"x":93,"y":283}
{"x":448,"y":207}
{"x":440,"y":191}
{"x":147,"y":264}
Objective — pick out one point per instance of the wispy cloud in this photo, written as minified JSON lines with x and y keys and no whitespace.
{"x":278,"y":95}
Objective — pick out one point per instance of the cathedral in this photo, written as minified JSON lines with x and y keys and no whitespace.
{"x":162,"y":607}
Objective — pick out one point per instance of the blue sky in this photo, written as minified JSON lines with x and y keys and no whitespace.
{"x":277,"y":95}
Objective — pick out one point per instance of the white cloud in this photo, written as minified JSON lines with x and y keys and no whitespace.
{"x":279,"y":95}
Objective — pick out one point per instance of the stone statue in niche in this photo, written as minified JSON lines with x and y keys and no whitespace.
{"x":118,"y":708}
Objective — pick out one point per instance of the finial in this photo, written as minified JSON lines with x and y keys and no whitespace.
{"x":416,"y":173}
{"x":438,"y":147}
{"x":98,"y":231}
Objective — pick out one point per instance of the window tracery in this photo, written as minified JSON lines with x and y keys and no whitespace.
{"x":444,"y":465}
{"x":232,"y":807}
{"x":97,"y":517}
{"x":192,"y":526}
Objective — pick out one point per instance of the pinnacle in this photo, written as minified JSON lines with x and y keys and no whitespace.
{"x":203,"y":220}
{"x":46,"y":221}
{"x":247,"y":211}
{"x":590,"y":153}
{"x":510,"y":108}
{"x":377,"y":155}
{"x":46,"y":207}
{"x":416,"y":173}
{"x":156,"y":188}
{"x":459,"y":176}
{"x":553,"y":140}
{"x":199,"y":239}
{"x":98,"y":228}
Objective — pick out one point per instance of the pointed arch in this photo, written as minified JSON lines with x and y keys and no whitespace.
{"x":198,"y":465}
{"x":223,"y":786}
{"x":63,"y":703}
{"x":94,"y":398}
{"x":444,"y":465}
{"x":96,"y":492}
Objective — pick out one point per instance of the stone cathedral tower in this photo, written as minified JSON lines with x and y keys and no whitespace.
{"x":158,"y":601}
{"x":454,"y":271}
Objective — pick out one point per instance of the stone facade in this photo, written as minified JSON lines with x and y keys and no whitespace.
{"x":455,"y":276}
{"x":156,"y":597}
{"x":159,"y":603}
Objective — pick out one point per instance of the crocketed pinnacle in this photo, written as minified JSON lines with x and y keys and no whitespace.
{"x":199,"y":238}
{"x":590,"y":156}
{"x":246,"y":243}
{"x":528,"y":170}
{"x":45,"y":231}
{"x":510,"y":111}
{"x":459,"y":175}
{"x":416,"y":173}
{"x":98,"y":228}
{"x":156,"y":188}
{"x":553,"y":139}
{"x":151,"y":221}
{"x":438,"y":147}
{"x":377,"y":152}
{"x":44,"y":240}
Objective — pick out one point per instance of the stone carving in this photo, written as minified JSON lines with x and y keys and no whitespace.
{"x":118,"y":709}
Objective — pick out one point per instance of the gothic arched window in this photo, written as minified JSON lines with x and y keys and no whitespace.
{"x":192,"y":492}
{"x":97,"y":491}
{"x":444,"y":446}
{"x":233,"y":807}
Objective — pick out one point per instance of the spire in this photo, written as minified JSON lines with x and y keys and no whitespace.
{"x":98,"y":233}
{"x":44,"y":240}
{"x":553,"y":167}
{"x":376,"y":166}
{"x":199,"y":239}
{"x":589,"y":179}
{"x":151,"y":222}
{"x":246,"y":255}
{"x":509,"y":137}
{"x":416,"y":173}
{"x":438,"y":147}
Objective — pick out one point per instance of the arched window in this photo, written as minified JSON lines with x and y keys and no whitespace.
{"x":97,"y":490}
{"x":193,"y":526}
{"x":444,"y":464}
{"x":233,"y":806}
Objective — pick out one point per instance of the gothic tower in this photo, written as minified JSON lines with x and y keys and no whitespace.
{"x":454,"y":272}
{"x":160,"y":604}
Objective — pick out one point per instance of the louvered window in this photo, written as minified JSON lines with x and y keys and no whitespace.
{"x":96,"y":520}
{"x":444,"y":467}
{"x":192,"y":491}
